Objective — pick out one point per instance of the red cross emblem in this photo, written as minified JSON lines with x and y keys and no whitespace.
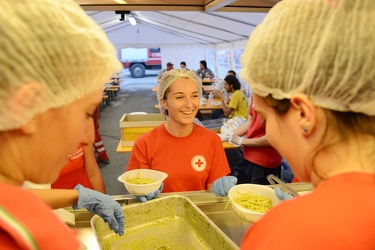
{"x":198,"y":163}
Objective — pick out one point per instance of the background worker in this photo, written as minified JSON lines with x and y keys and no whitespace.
{"x":48,"y":99}
{"x":200,"y":162}
{"x":81,"y":169}
{"x":259,"y":159}
{"x":237,"y":105}
{"x":168,"y":68}
{"x":100,"y":151}
{"x":313,"y":81}
{"x":219,"y":87}
{"x":203,"y":71}
{"x":183,"y":65}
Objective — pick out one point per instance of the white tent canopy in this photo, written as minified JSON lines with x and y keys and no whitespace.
{"x":190,"y":36}
{"x":157,"y":28}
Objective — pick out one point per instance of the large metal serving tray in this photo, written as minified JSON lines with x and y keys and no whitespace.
{"x":172,"y":222}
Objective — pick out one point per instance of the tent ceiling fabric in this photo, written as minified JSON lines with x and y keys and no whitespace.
{"x":156,"y":28}
{"x":161,"y":22}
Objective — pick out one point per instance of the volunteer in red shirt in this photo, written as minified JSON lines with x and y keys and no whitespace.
{"x":50,"y":85}
{"x":259,"y":157}
{"x":310,"y":65}
{"x":81,"y":169}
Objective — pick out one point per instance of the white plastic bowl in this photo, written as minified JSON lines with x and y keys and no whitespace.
{"x":143,"y":189}
{"x":247,"y":214}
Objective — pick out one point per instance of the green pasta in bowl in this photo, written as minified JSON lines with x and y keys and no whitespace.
{"x":141,"y":182}
{"x":252,"y":201}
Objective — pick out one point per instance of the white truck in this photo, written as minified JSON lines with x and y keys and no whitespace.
{"x":137,"y":60}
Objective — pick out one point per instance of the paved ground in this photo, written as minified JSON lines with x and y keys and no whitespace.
{"x":135,"y":95}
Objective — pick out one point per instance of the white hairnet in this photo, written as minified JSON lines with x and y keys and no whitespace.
{"x":52,"y":43}
{"x":323,"y":48}
{"x":172,"y":75}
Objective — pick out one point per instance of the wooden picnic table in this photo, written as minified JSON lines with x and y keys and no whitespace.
{"x":215,"y":104}
{"x":109,"y":93}
{"x":207,"y":81}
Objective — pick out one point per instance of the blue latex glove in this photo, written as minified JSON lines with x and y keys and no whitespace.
{"x":282,"y":195}
{"x":150,"y":196}
{"x":222,"y":185}
{"x":103,"y":205}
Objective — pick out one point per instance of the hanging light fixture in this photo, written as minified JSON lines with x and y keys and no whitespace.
{"x":125,"y":15}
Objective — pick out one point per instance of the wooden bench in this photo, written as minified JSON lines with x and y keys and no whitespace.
{"x":112,"y":88}
{"x":111,"y":91}
{"x":105,"y":101}
{"x":206,"y":111}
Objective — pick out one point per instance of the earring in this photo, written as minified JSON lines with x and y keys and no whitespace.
{"x":306,"y":127}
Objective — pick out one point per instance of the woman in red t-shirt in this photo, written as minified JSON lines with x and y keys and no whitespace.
{"x":81,"y":169}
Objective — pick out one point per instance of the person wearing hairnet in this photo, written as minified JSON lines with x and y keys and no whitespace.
{"x":191,"y":155}
{"x":310,"y":65}
{"x":54,"y":63}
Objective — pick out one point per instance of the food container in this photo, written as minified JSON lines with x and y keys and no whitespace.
{"x":262,"y":190}
{"x":171,"y":222}
{"x":215,"y":103}
{"x":134,"y":125}
{"x":143,"y":189}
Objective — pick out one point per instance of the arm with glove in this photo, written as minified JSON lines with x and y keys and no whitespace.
{"x":150,"y":196}
{"x":248,"y":142}
{"x":282,"y":195}
{"x":220,"y":182}
{"x":102,"y":205}
{"x":81,"y":197}
{"x":222,"y":185}
{"x":234,"y":138}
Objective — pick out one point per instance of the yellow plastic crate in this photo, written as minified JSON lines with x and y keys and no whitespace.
{"x":134,"y":125}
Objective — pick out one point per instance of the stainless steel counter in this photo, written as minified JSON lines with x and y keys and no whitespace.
{"x":214,"y":207}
